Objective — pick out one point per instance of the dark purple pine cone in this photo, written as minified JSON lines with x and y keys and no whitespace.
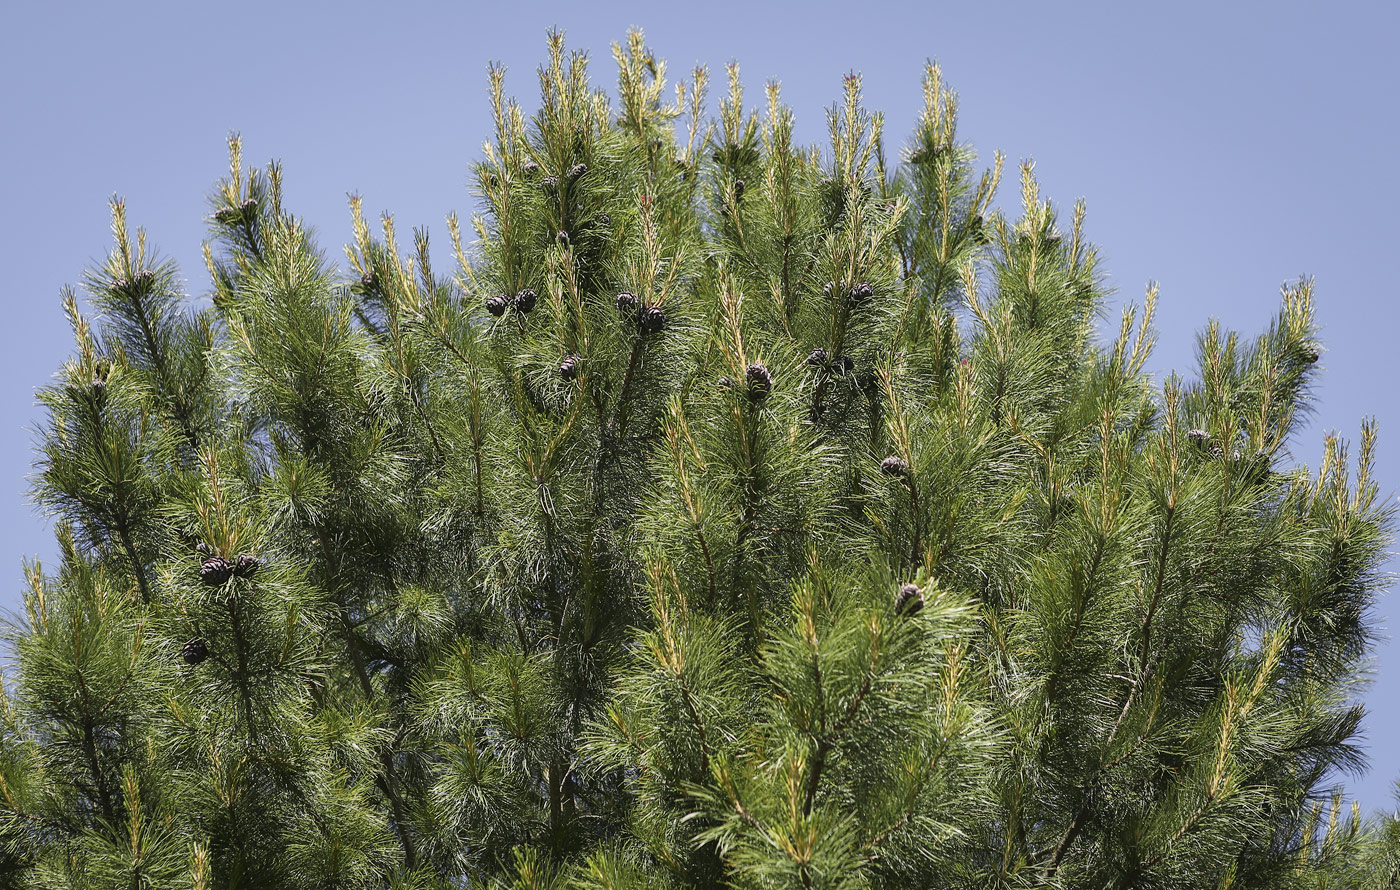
{"x":194,"y":651}
{"x":568,"y":368}
{"x":497,"y":305}
{"x":627,"y":305}
{"x":894,"y":466}
{"x":248,"y":206}
{"x":844,"y":364}
{"x":563,"y":237}
{"x":530,"y":168}
{"x":909,"y":601}
{"x":738,"y":189}
{"x":577,"y":171}
{"x":862,"y":292}
{"x":760,"y":381}
{"x":144,"y":279}
{"x":246,"y":565}
{"x":818,"y":358}
{"x":828,"y":288}
{"x":215,"y":571}
{"x":227,"y":215}
{"x":525,"y":300}
{"x":1198,"y":438}
{"x":549,"y":183}
{"x":726,"y":382}
{"x":652,"y":319}
{"x":370,"y":281}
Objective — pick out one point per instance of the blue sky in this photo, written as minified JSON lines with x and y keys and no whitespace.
{"x":1223,"y":149}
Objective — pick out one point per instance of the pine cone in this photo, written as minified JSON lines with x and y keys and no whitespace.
{"x":894,"y":466}
{"x":738,"y":189}
{"x":194,"y":651}
{"x":246,"y":566}
{"x":829,"y":287}
{"x":227,"y":215}
{"x":1199,"y":438}
{"x":525,"y":300}
{"x":577,"y":171}
{"x":563,"y":237}
{"x":497,"y":305}
{"x":215,"y":571}
{"x":530,"y":168}
{"x":844,"y":364}
{"x":726,"y":382}
{"x":549,"y":183}
{"x":652,"y":319}
{"x":144,"y":279}
{"x":568,"y":368}
{"x":369,"y":281}
{"x":248,"y":207}
{"x":627,"y":305}
{"x":818,"y":358}
{"x":909,"y":601}
{"x":862,"y":293}
{"x":760,"y":381}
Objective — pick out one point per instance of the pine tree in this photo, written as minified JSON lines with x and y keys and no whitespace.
{"x":735,"y":514}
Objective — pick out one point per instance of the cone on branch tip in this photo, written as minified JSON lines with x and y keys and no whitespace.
{"x":246,"y":566}
{"x":909,"y":601}
{"x":530,"y":168}
{"x":894,"y":467}
{"x":818,"y":358}
{"x":576,"y":172}
{"x":497,"y":305}
{"x":627,"y":305}
{"x":215,"y":571}
{"x":652,"y":319}
{"x":195,"y":651}
{"x":525,"y":301}
{"x":568,"y":368}
{"x":1199,"y":438}
{"x":759,"y":380}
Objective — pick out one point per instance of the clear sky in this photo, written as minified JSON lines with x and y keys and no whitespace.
{"x":1223,"y":149}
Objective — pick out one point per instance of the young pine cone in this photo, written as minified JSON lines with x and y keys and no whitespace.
{"x":577,"y":171}
{"x":525,"y":300}
{"x":818,"y":358}
{"x":1199,"y":438}
{"x":894,"y":466}
{"x":760,"y":381}
{"x":652,"y":319}
{"x":862,"y":293}
{"x":530,"y":168}
{"x":194,"y":651}
{"x":844,"y":364}
{"x":497,"y":305}
{"x":909,"y":601}
{"x":246,"y":566}
{"x":568,"y":368}
{"x":215,"y":571}
{"x":627,"y":305}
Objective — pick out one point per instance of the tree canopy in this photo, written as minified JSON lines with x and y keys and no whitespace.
{"x":734,"y":513}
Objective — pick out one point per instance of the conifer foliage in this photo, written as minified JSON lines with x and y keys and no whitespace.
{"x":734,"y":514}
